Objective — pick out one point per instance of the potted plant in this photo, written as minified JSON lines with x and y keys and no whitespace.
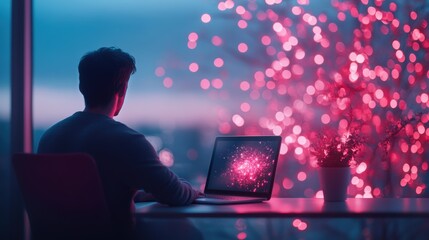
{"x":335,"y":154}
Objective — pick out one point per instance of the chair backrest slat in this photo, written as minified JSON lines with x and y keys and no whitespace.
{"x":63,"y":195}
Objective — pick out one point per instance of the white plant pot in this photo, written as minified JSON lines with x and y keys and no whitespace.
{"x":334,"y":182}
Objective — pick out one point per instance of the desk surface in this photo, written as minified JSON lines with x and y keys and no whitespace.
{"x":295,"y":207}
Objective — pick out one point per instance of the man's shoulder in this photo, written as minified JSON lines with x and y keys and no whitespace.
{"x":92,"y":124}
{"x":60,"y":124}
{"x":122,"y":128}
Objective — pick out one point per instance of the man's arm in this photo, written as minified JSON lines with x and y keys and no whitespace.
{"x":148,"y":173}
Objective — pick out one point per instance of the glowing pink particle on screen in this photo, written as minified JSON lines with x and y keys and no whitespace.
{"x":249,"y":168}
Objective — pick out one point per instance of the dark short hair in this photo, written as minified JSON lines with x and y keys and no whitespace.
{"x":103,"y":73}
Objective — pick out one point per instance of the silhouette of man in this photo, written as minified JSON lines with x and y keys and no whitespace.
{"x":126,"y":161}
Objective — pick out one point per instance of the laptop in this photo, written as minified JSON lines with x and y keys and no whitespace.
{"x":242,"y":170}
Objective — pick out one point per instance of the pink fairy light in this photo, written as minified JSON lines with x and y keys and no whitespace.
{"x":193,"y":37}
{"x":245,"y":107}
{"x":206,"y":18}
{"x":168,"y":82}
{"x":193,"y":67}
{"x":217,"y":41}
{"x":218,"y":62}
{"x":242,"y":47}
{"x":205,"y":84}
{"x":359,"y":65}
{"x":159,"y":71}
{"x":242,"y":24}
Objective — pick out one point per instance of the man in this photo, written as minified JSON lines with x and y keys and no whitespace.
{"x":125,"y":159}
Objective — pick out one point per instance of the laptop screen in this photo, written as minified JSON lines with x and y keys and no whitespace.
{"x":243,"y":165}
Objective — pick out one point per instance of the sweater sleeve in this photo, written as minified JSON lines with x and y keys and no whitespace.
{"x":148,"y":173}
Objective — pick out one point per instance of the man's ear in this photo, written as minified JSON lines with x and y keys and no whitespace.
{"x":125,"y":76}
{"x":122,"y":89}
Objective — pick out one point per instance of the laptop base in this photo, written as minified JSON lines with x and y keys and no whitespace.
{"x":221,"y":201}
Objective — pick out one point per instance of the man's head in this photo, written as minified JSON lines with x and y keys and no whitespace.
{"x":103,"y":75}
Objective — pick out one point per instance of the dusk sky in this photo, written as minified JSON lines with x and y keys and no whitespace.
{"x":150,"y":31}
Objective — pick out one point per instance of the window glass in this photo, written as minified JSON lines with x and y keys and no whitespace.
{"x":288,"y":68}
{"x":153,"y":32}
{"x":5,"y":21}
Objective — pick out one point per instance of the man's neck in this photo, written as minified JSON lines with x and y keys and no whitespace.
{"x":109,"y":110}
{"x":100,"y":110}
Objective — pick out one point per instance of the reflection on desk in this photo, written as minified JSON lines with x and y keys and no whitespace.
{"x":295,"y":207}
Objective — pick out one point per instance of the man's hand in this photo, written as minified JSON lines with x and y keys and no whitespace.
{"x":142,"y":196}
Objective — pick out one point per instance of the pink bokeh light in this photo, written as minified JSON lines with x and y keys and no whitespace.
{"x":294,"y":71}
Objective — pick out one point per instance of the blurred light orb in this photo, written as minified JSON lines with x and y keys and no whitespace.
{"x":206,"y":18}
